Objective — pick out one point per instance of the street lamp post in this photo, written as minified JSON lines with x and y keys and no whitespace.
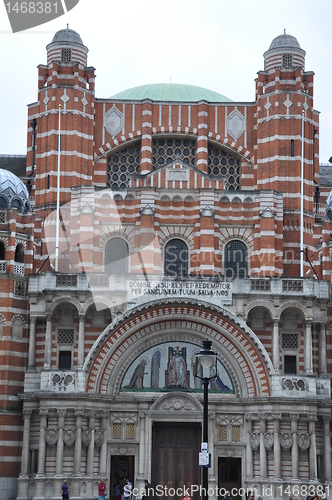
{"x":206,"y":370}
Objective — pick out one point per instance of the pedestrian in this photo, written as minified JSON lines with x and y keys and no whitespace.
{"x":65,"y":490}
{"x":228,"y":496}
{"x":117,"y":491}
{"x":127,"y":490}
{"x":146,"y":495}
{"x":101,"y":490}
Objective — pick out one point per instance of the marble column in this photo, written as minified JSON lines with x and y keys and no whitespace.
{"x":32,"y":343}
{"x":78,"y":442}
{"x":308,"y":348}
{"x":42,"y":453}
{"x":48,"y":342}
{"x":103,"y":448}
{"x":141,"y":471}
{"x":249,"y":454}
{"x":295,"y":449}
{"x":26,"y":443}
{"x":81,"y":334}
{"x":312,"y":450}
{"x":275,"y":345}
{"x":59,"y":447}
{"x":327,"y":449}
{"x":276,"y":447}
{"x":91,"y":447}
{"x":262,"y":449}
{"x":322,"y":350}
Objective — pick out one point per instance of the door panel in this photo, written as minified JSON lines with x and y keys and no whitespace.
{"x":175,"y":456}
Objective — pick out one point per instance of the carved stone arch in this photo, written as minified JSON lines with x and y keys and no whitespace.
{"x":201,"y":319}
{"x":292,"y":304}
{"x":241,"y":234}
{"x":65,"y":299}
{"x":165,"y":238}
{"x":97,"y":299}
{"x":263,"y":305}
{"x":117,"y":231}
{"x":177,"y":402}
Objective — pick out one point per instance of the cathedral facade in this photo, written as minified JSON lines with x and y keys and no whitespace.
{"x":145,"y":224}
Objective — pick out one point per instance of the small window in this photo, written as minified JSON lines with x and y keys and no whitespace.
{"x":116,"y":256}
{"x":66,"y":55}
{"x":65,"y":360}
{"x":17,"y":328}
{"x":116,"y":431}
{"x":292,"y":148}
{"x":19,"y":253}
{"x":236,"y":433}
{"x":287,"y":60}
{"x":236,"y":265}
{"x":2,"y":251}
{"x":130,"y":431}
{"x":289,"y":365}
{"x":222,"y":432}
{"x":176,"y":259}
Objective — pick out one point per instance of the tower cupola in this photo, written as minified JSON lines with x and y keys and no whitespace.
{"x":67,"y":47}
{"x":284,"y":52}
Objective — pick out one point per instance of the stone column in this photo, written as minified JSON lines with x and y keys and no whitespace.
{"x":42,"y":453}
{"x":276,"y":447}
{"x":322,"y":350}
{"x":275,"y":345}
{"x":103,"y":448}
{"x":32,"y":343}
{"x":327,"y":449}
{"x":59,"y":447}
{"x":295,"y":449}
{"x":262,"y":449}
{"x":80,"y":353}
{"x":308,"y":349}
{"x":249,"y":454}
{"x":312,"y":450}
{"x":48,"y":342}
{"x":91,"y":447}
{"x":141,"y":471}
{"x":26,"y":443}
{"x":78,"y":443}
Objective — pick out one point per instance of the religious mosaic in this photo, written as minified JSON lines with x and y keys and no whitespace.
{"x":172,"y":366}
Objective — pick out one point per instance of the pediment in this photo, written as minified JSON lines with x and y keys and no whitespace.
{"x":177,"y":402}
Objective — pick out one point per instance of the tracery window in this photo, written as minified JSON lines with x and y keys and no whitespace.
{"x":166,"y":150}
{"x":224,"y":164}
{"x":287,"y":60}
{"x":122,"y":164}
{"x":116,"y":256}
{"x":235,"y":259}
{"x":66,"y":55}
{"x":176,"y":259}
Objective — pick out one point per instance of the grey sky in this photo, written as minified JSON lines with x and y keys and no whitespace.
{"x":216,"y":44}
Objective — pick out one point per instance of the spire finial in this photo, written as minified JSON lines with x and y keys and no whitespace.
{"x":67,"y":26}
{"x":284,"y":30}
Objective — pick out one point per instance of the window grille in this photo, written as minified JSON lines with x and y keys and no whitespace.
{"x":130,"y":431}
{"x":292,"y":286}
{"x":66,"y":55}
{"x":65,"y":336}
{"x":176,"y":259}
{"x":236,"y":433}
{"x":116,"y":256}
{"x":19,"y":288}
{"x":66,"y":280}
{"x":223,"y":164}
{"x":122,"y":164}
{"x":166,"y":151}
{"x":287,"y":60}
{"x":116,"y":431}
{"x":236,"y":265}
{"x":2,"y":217}
{"x":290,"y":341}
{"x":260,"y":285}
{"x":222,"y":432}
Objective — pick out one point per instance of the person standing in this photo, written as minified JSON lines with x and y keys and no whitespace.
{"x":65,"y":490}
{"x":127,"y":490}
{"x":101,"y":489}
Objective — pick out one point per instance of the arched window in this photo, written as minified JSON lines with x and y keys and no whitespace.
{"x":176,"y":259}
{"x":236,"y":265}
{"x":19,"y":253}
{"x":116,"y":256}
{"x":2,"y":251}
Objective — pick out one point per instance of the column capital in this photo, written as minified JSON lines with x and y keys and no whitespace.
{"x":276,"y":416}
{"x":43,"y":412}
{"x":104,"y":414}
{"x":326,"y":418}
{"x":312,"y":417}
{"x":81,"y":316}
{"x":294,"y":416}
{"x":61,"y":412}
{"x":276,"y":321}
{"x":27,"y":413}
{"x":33,"y":319}
{"x":79,"y":413}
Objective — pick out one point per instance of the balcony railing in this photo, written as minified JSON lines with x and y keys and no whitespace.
{"x":18,"y":269}
{"x":2,"y":266}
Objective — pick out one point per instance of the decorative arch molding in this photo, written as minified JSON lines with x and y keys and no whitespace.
{"x":188,"y":132}
{"x":292,"y":304}
{"x":65,"y":299}
{"x":181,"y":232}
{"x":117,"y":231}
{"x":97,"y":299}
{"x":177,"y":403}
{"x":244,"y":234}
{"x":263,"y":305}
{"x":142,"y":326}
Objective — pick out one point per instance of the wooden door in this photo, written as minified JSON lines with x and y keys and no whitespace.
{"x":175,"y":457}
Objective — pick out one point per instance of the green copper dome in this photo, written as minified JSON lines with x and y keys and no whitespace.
{"x":170,"y":92}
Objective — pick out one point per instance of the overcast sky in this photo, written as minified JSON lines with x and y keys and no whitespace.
{"x":216,"y":44}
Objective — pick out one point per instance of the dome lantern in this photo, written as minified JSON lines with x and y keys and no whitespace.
{"x":284,"y":52}
{"x":67,"y":47}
